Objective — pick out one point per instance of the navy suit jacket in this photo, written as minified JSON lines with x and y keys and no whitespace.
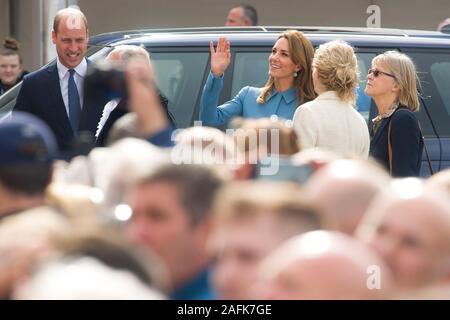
{"x":40,"y":95}
{"x":121,"y":110}
{"x":406,"y":142}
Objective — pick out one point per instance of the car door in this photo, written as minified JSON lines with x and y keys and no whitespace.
{"x":181,"y":74}
{"x":433,"y":66}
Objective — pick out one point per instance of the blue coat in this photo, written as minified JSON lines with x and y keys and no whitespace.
{"x":197,"y":288}
{"x":40,"y":95}
{"x":283,"y":104}
{"x":406,"y":142}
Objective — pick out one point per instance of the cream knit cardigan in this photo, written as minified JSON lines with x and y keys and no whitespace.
{"x":329,"y":123}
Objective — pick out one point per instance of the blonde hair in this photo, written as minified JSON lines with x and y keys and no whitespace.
{"x":404,"y":71}
{"x":301,"y":52}
{"x":337,"y":68}
{"x":257,"y":135}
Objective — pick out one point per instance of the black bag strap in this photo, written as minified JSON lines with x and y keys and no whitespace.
{"x":424,"y":147}
{"x":390,"y":147}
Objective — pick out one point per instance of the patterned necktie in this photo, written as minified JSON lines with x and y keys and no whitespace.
{"x":74,"y":103}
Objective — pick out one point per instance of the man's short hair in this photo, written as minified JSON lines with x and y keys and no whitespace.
{"x":127,"y":52}
{"x":64,"y":13}
{"x":250,"y":12}
{"x":239,"y":201}
{"x":196,"y":184}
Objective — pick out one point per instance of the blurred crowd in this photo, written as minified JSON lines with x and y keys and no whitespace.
{"x":268,"y":209}
{"x":136,"y":221}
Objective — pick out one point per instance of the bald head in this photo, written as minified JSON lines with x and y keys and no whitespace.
{"x":300,"y":269}
{"x":439,"y":182}
{"x":444,"y":24}
{"x":123,"y":53}
{"x":411,"y":231}
{"x":343,"y":190}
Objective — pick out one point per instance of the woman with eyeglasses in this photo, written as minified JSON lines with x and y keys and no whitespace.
{"x":331,"y":121}
{"x":396,"y":139}
{"x":289,"y":83}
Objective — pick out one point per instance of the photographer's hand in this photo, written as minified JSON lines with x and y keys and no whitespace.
{"x":143,"y":97}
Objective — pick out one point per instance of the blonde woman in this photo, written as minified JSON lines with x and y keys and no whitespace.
{"x":330,"y":121}
{"x":392,"y":84}
{"x":289,"y":82}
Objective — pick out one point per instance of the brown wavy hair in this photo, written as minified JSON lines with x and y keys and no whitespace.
{"x":301,"y":52}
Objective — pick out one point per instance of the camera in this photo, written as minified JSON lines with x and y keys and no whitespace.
{"x":105,"y":80}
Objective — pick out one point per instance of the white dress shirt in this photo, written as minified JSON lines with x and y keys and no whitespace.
{"x":107,"y":109}
{"x":63,"y":72}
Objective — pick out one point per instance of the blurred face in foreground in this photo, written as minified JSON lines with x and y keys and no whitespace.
{"x":413,"y":237}
{"x":322,"y":265}
{"x":161,"y":223}
{"x":239,"y":247}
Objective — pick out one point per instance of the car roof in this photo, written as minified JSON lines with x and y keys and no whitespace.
{"x":265,"y":35}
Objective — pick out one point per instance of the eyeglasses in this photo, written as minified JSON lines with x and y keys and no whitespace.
{"x":376,"y":73}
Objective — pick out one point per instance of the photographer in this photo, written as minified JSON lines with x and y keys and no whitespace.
{"x":118,"y":107}
{"x":152,"y":121}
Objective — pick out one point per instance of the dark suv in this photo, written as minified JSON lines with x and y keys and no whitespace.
{"x":181,"y":59}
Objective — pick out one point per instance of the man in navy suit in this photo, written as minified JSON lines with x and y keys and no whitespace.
{"x":55,"y":93}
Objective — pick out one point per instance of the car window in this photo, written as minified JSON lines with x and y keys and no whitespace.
{"x":96,"y":54}
{"x":434,"y":73}
{"x":180,"y":76}
{"x":250,"y":69}
{"x":363,"y":101}
{"x":440,"y":72}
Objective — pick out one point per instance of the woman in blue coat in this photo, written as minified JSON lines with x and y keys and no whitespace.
{"x":396,"y":137}
{"x":289,"y":84}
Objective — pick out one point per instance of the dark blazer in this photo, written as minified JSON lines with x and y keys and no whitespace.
{"x":122,"y":109}
{"x":4,"y":88}
{"x":406,"y":142}
{"x":40,"y":95}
